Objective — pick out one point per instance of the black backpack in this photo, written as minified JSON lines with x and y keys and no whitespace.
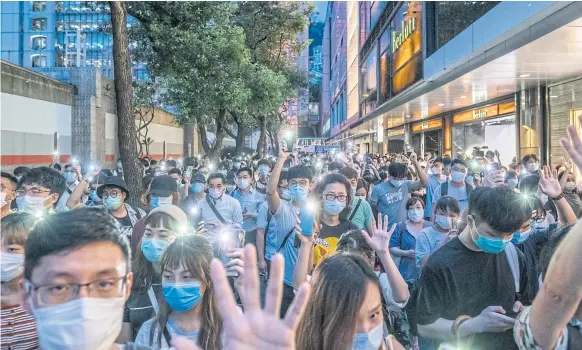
{"x":445,"y":189}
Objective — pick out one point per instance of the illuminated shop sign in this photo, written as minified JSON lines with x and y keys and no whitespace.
{"x":406,"y":43}
{"x":405,"y":33}
{"x":427,"y":125}
{"x":395,"y":132}
{"x":484,"y":112}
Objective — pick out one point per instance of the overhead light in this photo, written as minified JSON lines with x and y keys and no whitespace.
{"x":553,"y":96}
{"x":524,"y":76}
{"x":462,"y":96}
{"x":408,"y":116}
{"x":441,"y":104}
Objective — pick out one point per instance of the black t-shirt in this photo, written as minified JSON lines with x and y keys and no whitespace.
{"x":126,"y":226}
{"x":336,"y":231}
{"x":458,"y":281}
{"x":326,"y":243}
{"x":139,"y":308}
{"x":531,"y":249}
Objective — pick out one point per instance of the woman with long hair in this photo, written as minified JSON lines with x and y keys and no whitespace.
{"x":189,"y":307}
{"x":162,"y":225}
{"x":345,"y":309}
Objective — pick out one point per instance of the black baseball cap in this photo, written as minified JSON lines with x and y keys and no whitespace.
{"x":198,"y":177}
{"x":113,"y":181}
{"x":163,"y":186}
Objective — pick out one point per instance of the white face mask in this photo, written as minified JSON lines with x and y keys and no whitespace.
{"x":11,"y":266}
{"x":570,"y":186}
{"x":435,"y":170}
{"x":415,"y":215}
{"x":84,"y":323}
{"x":30,"y":204}
{"x":362,"y":197}
{"x":444,"y":222}
{"x":216,"y":193}
{"x":532,"y":167}
{"x":458,"y":176}
{"x":369,"y":341}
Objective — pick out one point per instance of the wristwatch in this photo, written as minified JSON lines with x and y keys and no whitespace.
{"x":457,"y":323}
{"x":559,"y":197}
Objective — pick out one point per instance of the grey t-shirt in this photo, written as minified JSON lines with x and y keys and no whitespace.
{"x":391,"y":200}
{"x":427,"y":242}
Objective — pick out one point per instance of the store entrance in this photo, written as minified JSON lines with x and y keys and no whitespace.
{"x":496,"y":134}
{"x":427,"y":141}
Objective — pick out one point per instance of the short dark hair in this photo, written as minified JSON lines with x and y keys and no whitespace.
{"x":447,"y":160}
{"x":153,"y":162}
{"x":438,"y":160}
{"x":57,"y":166}
{"x":529,"y":184}
{"x":45,"y":177}
{"x":20,"y":170}
{"x":348,"y":172}
{"x":335,"y":166}
{"x":265,"y":162}
{"x":501,"y":208}
{"x":283,"y":176}
{"x":510,"y":174}
{"x":299,"y":172}
{"x":10,"y":177}
{"x":336,"y":179}
{"x":447,"y":204}
{"x":72,"y":230}
{"x":175,"y":171}
{"x":458,"y":161}
{"x":398,"y":170}
{"x":68,"y":166}
{"x":216,"y":176}
{"x":171,"y":163}
{"x":527,"y":157}
{"x":412,"y":201}
{"x":243,"y":169}
{"x":145,"y":162}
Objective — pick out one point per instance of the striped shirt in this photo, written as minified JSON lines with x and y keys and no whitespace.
{"x":18,"y":329}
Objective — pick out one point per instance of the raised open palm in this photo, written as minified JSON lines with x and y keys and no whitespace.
{"x":573,"y":146}
{"x":549,"y":183}
{"x":380,"y":241}
{"x":255,"y":328}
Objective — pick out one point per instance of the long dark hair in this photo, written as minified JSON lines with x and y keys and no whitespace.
{"x":143,"y":269}
{"x":335,"y":179}
{"x":338,"y":280}
{"x":194,"y":252}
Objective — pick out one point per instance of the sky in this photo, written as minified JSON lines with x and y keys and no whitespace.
{"x":320,"y":6}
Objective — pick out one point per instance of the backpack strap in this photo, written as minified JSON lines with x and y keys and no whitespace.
{"x":211,"y":205}
{"x":355,"y":209}
{"x":167,"y":335}
{"x":444,"y":188}
{"x":512,"y":257}
{"x":285,"y":239}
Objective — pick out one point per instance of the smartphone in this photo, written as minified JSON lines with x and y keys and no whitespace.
{"x":307,"y":218}
{"x":189,"y":171}
{"x":494,"y":166}
{"x":229,"y":238}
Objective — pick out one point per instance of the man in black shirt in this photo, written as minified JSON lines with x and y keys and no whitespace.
{"x":467,"y":291}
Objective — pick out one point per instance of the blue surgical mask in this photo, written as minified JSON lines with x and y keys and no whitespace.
{"x":153,"y":249}
{"x":182,"y":296}
{"x":396,"y":183}
{"x":489,"y":244}
{"x":333,"y":207}
{"x":415,"y":215}
{"x":512,"y":183}
{"x":70,"y":177}
{"x":113,"y":203}
{"x":468,"y":179}
{"x":264,"y":171}
{"x":156,"y":202}
{"x":197,"y":187}
{"x":443,"y":222}
{"x":519,"y":238}
{"x":298,"y":192}
{"x":458,"y":176}
{"x":94,"y":197}
{"x":369,"y":341}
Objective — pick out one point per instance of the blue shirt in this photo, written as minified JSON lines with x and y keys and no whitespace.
{"x":433,"y":182}
{"x":287,"y":215}
{"x":427,"y":242}
{"x":270,"y":232}
{"x":249,"y":202}
{"x":405,"y":240}
{"x":458,"y":193}
{"x":391,"y":200}
{"x":228,"y":207}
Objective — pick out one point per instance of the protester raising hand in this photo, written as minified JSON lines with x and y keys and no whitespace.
{"x":573,"y":146}
{"x":549,"y":184}
{"x":255,"y":328}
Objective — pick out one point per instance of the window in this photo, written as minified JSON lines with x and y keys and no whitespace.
{"x":38,"y":42}
{"x":38,"y":6}
{"x":38,"y":61}
{"x":38,"y":24}
{"x":368,"y":75}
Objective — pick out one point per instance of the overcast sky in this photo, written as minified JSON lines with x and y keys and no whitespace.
{"x":320,"y":6}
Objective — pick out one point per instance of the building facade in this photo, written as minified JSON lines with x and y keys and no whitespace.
{"x":456,"y":77}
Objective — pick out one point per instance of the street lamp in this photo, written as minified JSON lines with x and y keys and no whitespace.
{"x":289,"y":134}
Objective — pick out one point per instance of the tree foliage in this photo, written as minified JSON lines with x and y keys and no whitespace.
{"x":229,"y":66}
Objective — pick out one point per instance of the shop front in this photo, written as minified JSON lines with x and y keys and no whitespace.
{"x":427,"y":136}
{"x":396,"y":140}
{"x":486,"y":128}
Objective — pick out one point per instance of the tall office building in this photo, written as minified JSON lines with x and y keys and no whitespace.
{"x":46,"y":34}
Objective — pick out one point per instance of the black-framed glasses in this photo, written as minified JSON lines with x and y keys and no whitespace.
{"x":60,"y":293}
{"x":332,"y":197}
{"x":112,"y":194}
{"x":33,"y":192}
{"x":303,"y":183}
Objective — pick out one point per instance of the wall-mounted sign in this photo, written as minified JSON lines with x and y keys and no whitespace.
{"x":405,"y":32}
{"x":427,"y":125}
{"x":484,"y":112}
{"x":395,"y":132}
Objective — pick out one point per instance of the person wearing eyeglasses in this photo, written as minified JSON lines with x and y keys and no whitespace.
{"x":39,"y":190}
{"x":77,"y":278}
{"x":336,"y":195}
{"x":114,"y":193}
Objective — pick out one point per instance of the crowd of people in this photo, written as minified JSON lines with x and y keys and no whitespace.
{"x":298,"y":251}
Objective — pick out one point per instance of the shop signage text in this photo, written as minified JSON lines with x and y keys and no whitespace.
{"x":428,"y":125}
{"x":405,"y":33}
{"x":392,"y":133}
{"x":484,"y":113}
